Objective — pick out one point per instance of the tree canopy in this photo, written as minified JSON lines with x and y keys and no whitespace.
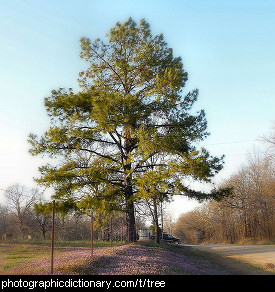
{"x":128,"y":134}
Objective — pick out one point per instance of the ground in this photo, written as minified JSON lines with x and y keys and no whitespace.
{"x":261,"y":255}
{"x":134,"y":259}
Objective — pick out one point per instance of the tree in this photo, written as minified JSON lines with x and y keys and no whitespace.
{"x":44,"y":215}
{"x":20,"y":199}
{"x":4,"y":220}
{"x":130,"y":109}
{"x":248,"y":214}
{"x":270,"y":139}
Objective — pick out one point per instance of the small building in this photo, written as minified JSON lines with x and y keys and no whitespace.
{"x":144,"y":233}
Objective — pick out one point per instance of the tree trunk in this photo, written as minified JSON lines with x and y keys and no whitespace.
{"x":44,"y":234}
{"x":130,"y":211}
{"x":157,"y":237}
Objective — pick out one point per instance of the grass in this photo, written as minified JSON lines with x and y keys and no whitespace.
{"x":62,"y":243}
{"x":24,"y":256}
{"x":16,"y":253}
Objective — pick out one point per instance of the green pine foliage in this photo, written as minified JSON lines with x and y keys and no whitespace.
{"x":128,"y":135}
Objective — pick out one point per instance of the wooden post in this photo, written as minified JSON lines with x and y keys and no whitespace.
{"x":111,"y":230}
{"x":53,"y":236}
{"x":92,"y":231}
{"x":161,"y":209}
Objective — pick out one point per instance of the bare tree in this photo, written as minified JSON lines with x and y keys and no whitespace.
{"x":4,"y":220}
{"x":247,"y":215}
{"x":20,"y":200}
{"x":270,"y":139}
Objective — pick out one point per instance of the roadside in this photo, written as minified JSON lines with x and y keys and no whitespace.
{"x":147,"y":258}
{"x":262,"y":256}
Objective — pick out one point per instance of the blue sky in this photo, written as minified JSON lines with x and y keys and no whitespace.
{"x":228,"y":49}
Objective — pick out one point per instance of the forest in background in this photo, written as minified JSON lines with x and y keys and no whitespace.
{"x":247,"y":215}
{"x":22,"y":216}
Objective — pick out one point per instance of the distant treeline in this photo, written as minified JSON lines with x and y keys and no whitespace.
{"x":247,"y":215}
{"x":20,"y":218}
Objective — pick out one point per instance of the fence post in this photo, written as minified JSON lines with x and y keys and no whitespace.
{"x":111,"y":230}
{"x":53,"y":236}
{"x":121,"y":231}
{"x":92,"y":231}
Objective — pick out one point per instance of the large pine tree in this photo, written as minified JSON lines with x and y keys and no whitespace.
{"x":128,"y":134}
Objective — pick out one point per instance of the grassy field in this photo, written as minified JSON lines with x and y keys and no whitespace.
{"x":17,"y":254}
{"x":14,"y":255}
{"x":142,"y":258}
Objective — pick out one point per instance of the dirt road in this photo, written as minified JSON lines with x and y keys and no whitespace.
{"x":262,"y":255}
